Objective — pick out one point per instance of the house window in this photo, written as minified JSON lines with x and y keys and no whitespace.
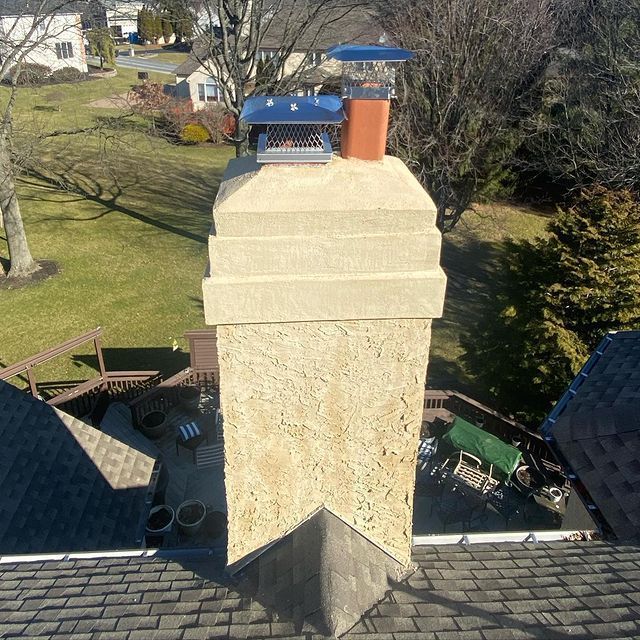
{"x":314,"y":58}
{"x":264,"y":55}
{"x":64,"y":50}
{"x":209,"y":91}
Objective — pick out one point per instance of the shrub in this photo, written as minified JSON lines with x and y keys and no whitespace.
{"x":213,"y":119}
{"x":177,"y":113}
{"x":31,"y":73}
{"x":67,"y":74}
{"x":194,"y":133}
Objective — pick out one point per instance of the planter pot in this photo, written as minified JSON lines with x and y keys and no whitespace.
{"x":190,"y":516}
{"x":215,"y":525}
{"x":160,"y":520}
{"x":154,"y":424}
{"x":189,"y":398}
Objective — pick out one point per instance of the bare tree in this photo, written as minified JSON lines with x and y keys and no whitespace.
{"x":588,"y":128}
{"x":24,"y":34}
{"x":463,"y":97}
{"x":232,"y":35}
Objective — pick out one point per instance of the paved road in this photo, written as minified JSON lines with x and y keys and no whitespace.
{"x":143,"y":64}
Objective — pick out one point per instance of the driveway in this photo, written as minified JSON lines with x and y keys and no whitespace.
{"x":141,"y":63}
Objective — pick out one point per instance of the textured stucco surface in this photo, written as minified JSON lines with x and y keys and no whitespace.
{"x":349,"y":240}
{"x":322,"y":414}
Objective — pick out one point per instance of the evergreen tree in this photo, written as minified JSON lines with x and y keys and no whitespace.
{"x":157,"y":28}
{"x":559,"y":297}
{"x":147,"y":25}
{"x":167,"y":28}
{"x":102,"y":45}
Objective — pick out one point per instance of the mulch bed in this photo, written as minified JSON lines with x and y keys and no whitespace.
{"x":47,"y":269}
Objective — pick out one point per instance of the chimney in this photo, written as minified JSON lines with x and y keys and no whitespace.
{"x":368,"y":84}
{"x":322,"y":282}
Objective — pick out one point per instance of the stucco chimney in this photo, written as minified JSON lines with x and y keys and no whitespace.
{"x":368,"y":84}
{"x":323,"y":281}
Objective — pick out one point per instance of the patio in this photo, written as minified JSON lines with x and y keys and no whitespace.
{"x":459,"y":493}
{"x":187,"y":474}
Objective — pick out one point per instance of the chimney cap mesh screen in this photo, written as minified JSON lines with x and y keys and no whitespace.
{"x":369,"y":72}
{"x":294,"y":143}
{"x":372,"y":80}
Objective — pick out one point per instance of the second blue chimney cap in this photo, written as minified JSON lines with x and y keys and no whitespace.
{"x":369,"y":53}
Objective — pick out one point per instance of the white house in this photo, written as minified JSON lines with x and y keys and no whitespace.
{"x":122,"y":16}
{"x":196,"y":78}
{"x":54,"y":40}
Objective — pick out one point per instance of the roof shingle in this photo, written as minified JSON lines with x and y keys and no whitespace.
{"x":65,"y":485}
{"x":545,"y":590}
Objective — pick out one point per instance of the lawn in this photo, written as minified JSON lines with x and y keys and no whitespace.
{"x":129,"y":235}
{"x":470,"y":258}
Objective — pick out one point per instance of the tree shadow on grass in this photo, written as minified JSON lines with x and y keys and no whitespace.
{"x":473,"y":274}
{"x":91,"y":190}
{"x":180,"y":202}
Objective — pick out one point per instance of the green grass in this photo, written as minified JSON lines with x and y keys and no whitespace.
{"x":469,"y":257}
{"x":130,"y":239}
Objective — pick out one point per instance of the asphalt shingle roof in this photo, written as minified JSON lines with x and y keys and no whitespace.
{"x":322,"y":575}
{"x":65,"y":485}
{"x":597,"y":431}
{"x":40,"y":7}
{"x":483,"y":592}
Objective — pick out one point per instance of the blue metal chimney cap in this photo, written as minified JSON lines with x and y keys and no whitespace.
{"x":369,"y":53}
{"x":292,"y":110}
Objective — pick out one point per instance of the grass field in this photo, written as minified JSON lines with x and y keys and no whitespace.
{"x":469,"y":257}
{"x":129,"y":235}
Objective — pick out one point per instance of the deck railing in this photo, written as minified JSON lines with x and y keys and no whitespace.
{"x":166,"y":394}
{"x":499,"y":425}
{"x":119,"y":386}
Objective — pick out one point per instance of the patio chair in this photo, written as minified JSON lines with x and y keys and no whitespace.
{"x":456,"y":505}
{"x":190,"y":436}
{"x":426,"y":452}
{"x":506,"y":502}
{"x":469,"y":469}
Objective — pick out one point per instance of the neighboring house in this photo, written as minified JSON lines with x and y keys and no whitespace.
{"x":196,"y":79}
{"x":595,"y":432}
{"x":122,"y":17}
{"x":66,"y":485}
{"x":56,"y":42}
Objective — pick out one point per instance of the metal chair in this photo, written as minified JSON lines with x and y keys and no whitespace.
{"x":468,"y":469}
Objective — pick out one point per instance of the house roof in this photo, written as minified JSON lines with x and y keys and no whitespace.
{"x":483,"y":592}
{"x":357,"y":27}
{"x":322,"y":575}
{"x":65,"y":485}
{"x":31,"y":7}
{"x":596,"y":428}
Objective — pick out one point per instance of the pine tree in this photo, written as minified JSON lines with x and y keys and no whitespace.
{"x":167,"y":29}
{"x":157,"y":27}
{"x":559,"y":297}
